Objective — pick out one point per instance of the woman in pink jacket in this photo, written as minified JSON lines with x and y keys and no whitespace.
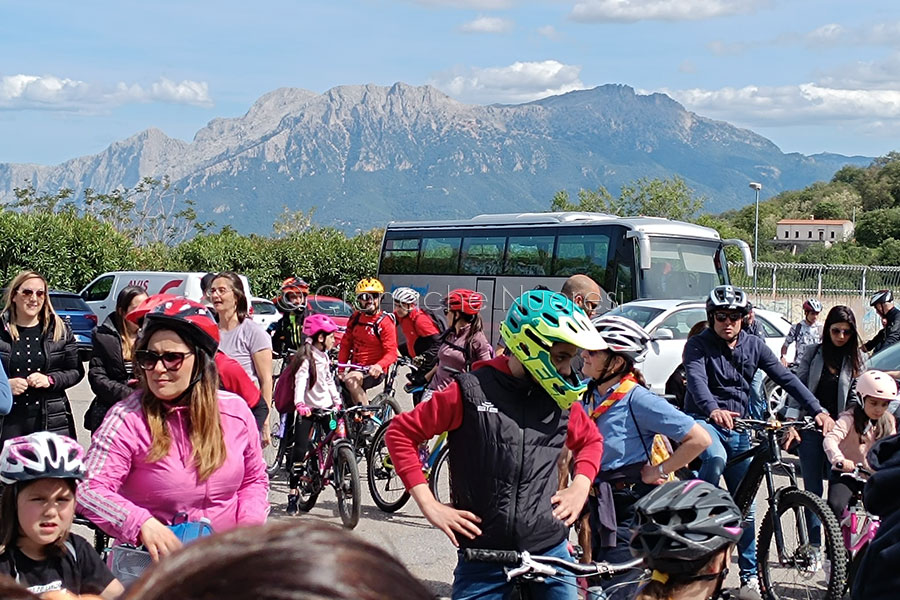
{"x":179,"y":445}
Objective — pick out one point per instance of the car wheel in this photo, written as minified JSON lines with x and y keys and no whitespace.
{"x":775,"y":396}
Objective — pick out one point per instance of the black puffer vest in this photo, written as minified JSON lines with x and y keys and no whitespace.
{"x":503,"y":461}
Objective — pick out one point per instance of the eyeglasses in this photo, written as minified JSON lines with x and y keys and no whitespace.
{"x":590,"y":306}
{"x":365,"y":298}
{"x":595,"y":353}
{"x":147,"y":359}
{"x":733,"y":317}
{"x":29,"y":293}
{"x":219,"y":290}
{"x":841,"y":331}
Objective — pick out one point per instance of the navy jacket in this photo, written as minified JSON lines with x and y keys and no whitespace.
{"x":888,"y":336}
{"x":719,"y":376}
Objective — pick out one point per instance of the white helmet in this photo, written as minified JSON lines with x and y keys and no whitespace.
{"x":727,"y":297}
{"x":41,"y":455}
{"x":405,"y":295}
{"x":623,"y":336}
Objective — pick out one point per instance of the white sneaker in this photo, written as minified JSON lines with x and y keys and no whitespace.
{"x":749,"y":590}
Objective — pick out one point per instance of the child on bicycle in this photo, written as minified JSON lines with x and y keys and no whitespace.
{"x":508,"y":420}
{"x":37,"y":548}
{"x":314,"y":388}
{"x":856,"y":431}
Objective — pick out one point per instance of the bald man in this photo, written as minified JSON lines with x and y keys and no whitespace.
{"x":584,"y":292}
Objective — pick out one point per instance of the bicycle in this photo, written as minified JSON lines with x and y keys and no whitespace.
{"x":331,"y":460}
{"x":388,"y":491}
{"x":523,"y":568}
{"x":858,"y":525}
{"x":802,"y":562}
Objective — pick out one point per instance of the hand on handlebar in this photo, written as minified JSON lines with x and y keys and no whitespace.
{"x":791,"y":435}
{"x":723,"y":418}
{"x":847,"y":466}
{"x":824,"y":420}
{"x":376,"y":371}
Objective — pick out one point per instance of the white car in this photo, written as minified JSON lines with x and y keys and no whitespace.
{"x":264,"y":312}
{"x":668,"y":323}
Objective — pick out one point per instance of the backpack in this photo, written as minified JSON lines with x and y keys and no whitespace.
{"x":437,"y":317}
{"x":376,"y":326}
{"x":283,"y":394}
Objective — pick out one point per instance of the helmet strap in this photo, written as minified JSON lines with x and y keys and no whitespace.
{"x":606,"y":377}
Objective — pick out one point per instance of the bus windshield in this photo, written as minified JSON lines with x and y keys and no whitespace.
{"x":683,"y":268}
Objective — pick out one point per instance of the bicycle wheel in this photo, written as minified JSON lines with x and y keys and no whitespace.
{"x":274,"y":452}
{"x":346,"y":484}
{"x":797,"y":572}
{"x":439,"y":480}
{"x":309,"y":483}
{"x":387,"y":490}
{"x":387,"y":406}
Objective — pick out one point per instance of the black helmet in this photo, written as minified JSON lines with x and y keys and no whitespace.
{"x":882,"y":296}
{"x":727,"y":297}
{"x":680,"y":525}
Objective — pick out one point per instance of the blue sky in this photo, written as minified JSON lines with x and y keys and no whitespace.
{"x":812,"y":75}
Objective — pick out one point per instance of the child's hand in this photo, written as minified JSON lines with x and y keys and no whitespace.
{"x":452,"y":521}
{"x":303,"y":410}
{"x":567,"y":503}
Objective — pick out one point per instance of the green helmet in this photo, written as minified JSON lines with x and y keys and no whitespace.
{"x":535,"y":321}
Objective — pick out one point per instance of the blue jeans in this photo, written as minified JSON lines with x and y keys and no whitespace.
{"x":814,"y":469}
{"x":725,"y":444}
{"x":487,"y":581}
{"x":758,"y":408}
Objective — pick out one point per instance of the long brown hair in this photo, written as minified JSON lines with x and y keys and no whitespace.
{"x":305,"y":355}
{"x":242,"y":305}
{"x":679,"y":584}
{"x":831,"y":354}
{"x":204,"y":420}
{"x":123,"y":301}
{"x":9,"y":517}
{"x":47,"y":317}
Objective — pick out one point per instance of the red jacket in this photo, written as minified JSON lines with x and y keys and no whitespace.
{"x":415,"y":325}
{"x":360,"y":345}
{"x":444,"y":412}
{"x":234,"y":379}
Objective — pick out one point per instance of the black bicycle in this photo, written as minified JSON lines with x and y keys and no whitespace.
{"x":790,"y":566}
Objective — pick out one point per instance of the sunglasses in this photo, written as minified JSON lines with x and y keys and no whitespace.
{"x":147,"y":359}
{"x":841,"y":331}
{"x":29,"y":293}
{"x":365,"y":298}
{"x":591,"y":306}
{"x":733,"y":317}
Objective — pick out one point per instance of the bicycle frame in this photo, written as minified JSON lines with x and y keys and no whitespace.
{"x":324,"y":448}
{"x":858,"y":525}
{"x":428,"y":461}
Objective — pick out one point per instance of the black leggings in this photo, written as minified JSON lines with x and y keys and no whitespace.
{"x":302,"y":429}
{"x":839,"y":494}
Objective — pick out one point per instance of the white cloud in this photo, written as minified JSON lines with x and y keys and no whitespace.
{"x":476,"y":4}
{"x":518,"y":82}
{"x":630,"y":11}
{"x":549,"y":31}
{"x":48,"y":92}
{"x":830,"y":35}
{"x":487,"y":25}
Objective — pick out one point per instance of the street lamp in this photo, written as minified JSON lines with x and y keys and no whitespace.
{"x":757,"y":187}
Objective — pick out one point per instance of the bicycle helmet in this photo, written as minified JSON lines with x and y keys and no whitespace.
{"x":876,"y":384}
{"x":189,"y":319}
{"x":295,"y":284}
{"x":812,"y":305}
{"x":146,"y":306}
{"x":882,"y":297}
{"x":369,"y":286}
{"x":536,"y":320}
{"x":468,"y":302}
{"x":41,"y":455}
{"x":623,"y":336}
{"x":679,"y":525}
{"x":405,"y":295}
{"x":318,"y":323}
{"x":727,"y":297}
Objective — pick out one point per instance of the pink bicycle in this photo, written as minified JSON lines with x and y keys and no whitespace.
{"x":858,"y":525}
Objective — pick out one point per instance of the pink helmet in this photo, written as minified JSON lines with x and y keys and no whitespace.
{"x":41,"y":455}
{"x":318,"y":323}
{"x":876,"y":384}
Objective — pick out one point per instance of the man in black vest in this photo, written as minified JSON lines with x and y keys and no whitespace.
{"x":507,"y":421}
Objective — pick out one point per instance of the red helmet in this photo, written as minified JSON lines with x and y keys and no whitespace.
{"x":295,"y":284}
{"x":189,"y":319}
{"x":146,"y":306}
{"x":468,"y":302}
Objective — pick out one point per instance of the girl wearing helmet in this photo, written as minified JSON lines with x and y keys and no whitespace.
{"x":314,"y":388}
{"x":37,"y":547}
{"x":806,"y":333}
{"x":178,"y":445}
{"x":419,"y":329}
{"x":464,"y":342}
{"x":507,"y":422}
{"x":633,"y":422}
{"x":856,"y":431}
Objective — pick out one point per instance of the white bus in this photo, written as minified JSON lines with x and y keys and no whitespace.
{"x":503,"y":255}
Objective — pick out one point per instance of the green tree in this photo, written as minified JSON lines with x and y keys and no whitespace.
{"x":588,"y":201}
{"x":875,"y":226}
{"x":828,"y":209}
{"x":670,"y":198}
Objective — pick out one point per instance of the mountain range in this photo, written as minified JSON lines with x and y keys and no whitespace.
{"x":363,"y":155}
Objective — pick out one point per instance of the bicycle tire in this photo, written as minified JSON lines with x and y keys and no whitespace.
{"x":274,"y":452}
{"x":388,"y":406}
{"x":309,"y":484}
{"x":797,"y":502}
{"x":439,"y":480}
{"x":381,"y":476}
{"x":346,"y":485}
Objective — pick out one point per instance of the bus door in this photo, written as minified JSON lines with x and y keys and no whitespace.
{"x":490,"y":315}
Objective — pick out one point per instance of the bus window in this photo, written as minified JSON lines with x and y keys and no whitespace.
{"x":529,"y":255}
{"x":622,"y":272}
{"x":682,"y":269}
{"x":400,"y":256}
{"x":482,"y":255}
{"x":440,"y":255}
{"x":587,"y":254}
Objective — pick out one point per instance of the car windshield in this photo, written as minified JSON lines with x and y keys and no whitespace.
{"x":642,"y":315}
{"x":332,"y":307}
{"x":886,"y":360}
{"x":263,"y":308}
{"x":683,"y":268}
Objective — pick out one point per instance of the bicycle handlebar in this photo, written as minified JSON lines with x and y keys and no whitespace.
{"x":761,"y":425}
{"x":353,"y":367}
{"x":859,"y":473}
{"x":526,"y":563}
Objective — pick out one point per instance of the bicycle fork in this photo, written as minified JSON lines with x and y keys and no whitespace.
{"x":774,"y":496}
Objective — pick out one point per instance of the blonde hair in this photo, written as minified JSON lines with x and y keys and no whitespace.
{"x":204,"y":421}
{"x":662,"y":586}
{"x":47,"y":316}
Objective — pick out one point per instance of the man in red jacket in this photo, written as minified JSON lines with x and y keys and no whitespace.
{"x":507,"y":421}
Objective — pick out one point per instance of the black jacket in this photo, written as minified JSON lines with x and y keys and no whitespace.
{"x":61,"y":363}
{"x":878,"y":577}
{"x":106,"y":374}
{"x":513,"y":442}
{"x":888,"y":336}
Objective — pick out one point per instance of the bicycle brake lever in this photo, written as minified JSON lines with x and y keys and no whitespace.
{"x":529,"y":566}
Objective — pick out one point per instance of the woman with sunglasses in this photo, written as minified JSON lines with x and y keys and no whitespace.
{"x":40,"y":358}
{"x":177,"y":446}
{"x":463,"y":343}
{"x":629,"y":417}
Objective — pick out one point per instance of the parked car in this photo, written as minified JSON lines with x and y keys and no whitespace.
{"x":668,"y":323}
{"x":335,"y":308}
{"x":264,"y":312}
{"x":74,"y":310}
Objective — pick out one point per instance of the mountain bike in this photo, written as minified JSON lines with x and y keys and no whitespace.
{"x":525,"y":569}
{"x":789,"y":565}
{"x":364,"y":423}
{"x":858,"y":525}
{"x":388,"y":491}
{"x":331,"y":460}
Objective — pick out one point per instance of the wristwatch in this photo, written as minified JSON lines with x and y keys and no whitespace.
{"x":662,"y":473}
{"x":839,"y":465}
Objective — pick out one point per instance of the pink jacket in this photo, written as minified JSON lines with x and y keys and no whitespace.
{"x":843,"y":443}
{"x":122,"y":490}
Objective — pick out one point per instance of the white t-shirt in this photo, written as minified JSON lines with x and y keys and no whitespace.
{"x":242,"y":342}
